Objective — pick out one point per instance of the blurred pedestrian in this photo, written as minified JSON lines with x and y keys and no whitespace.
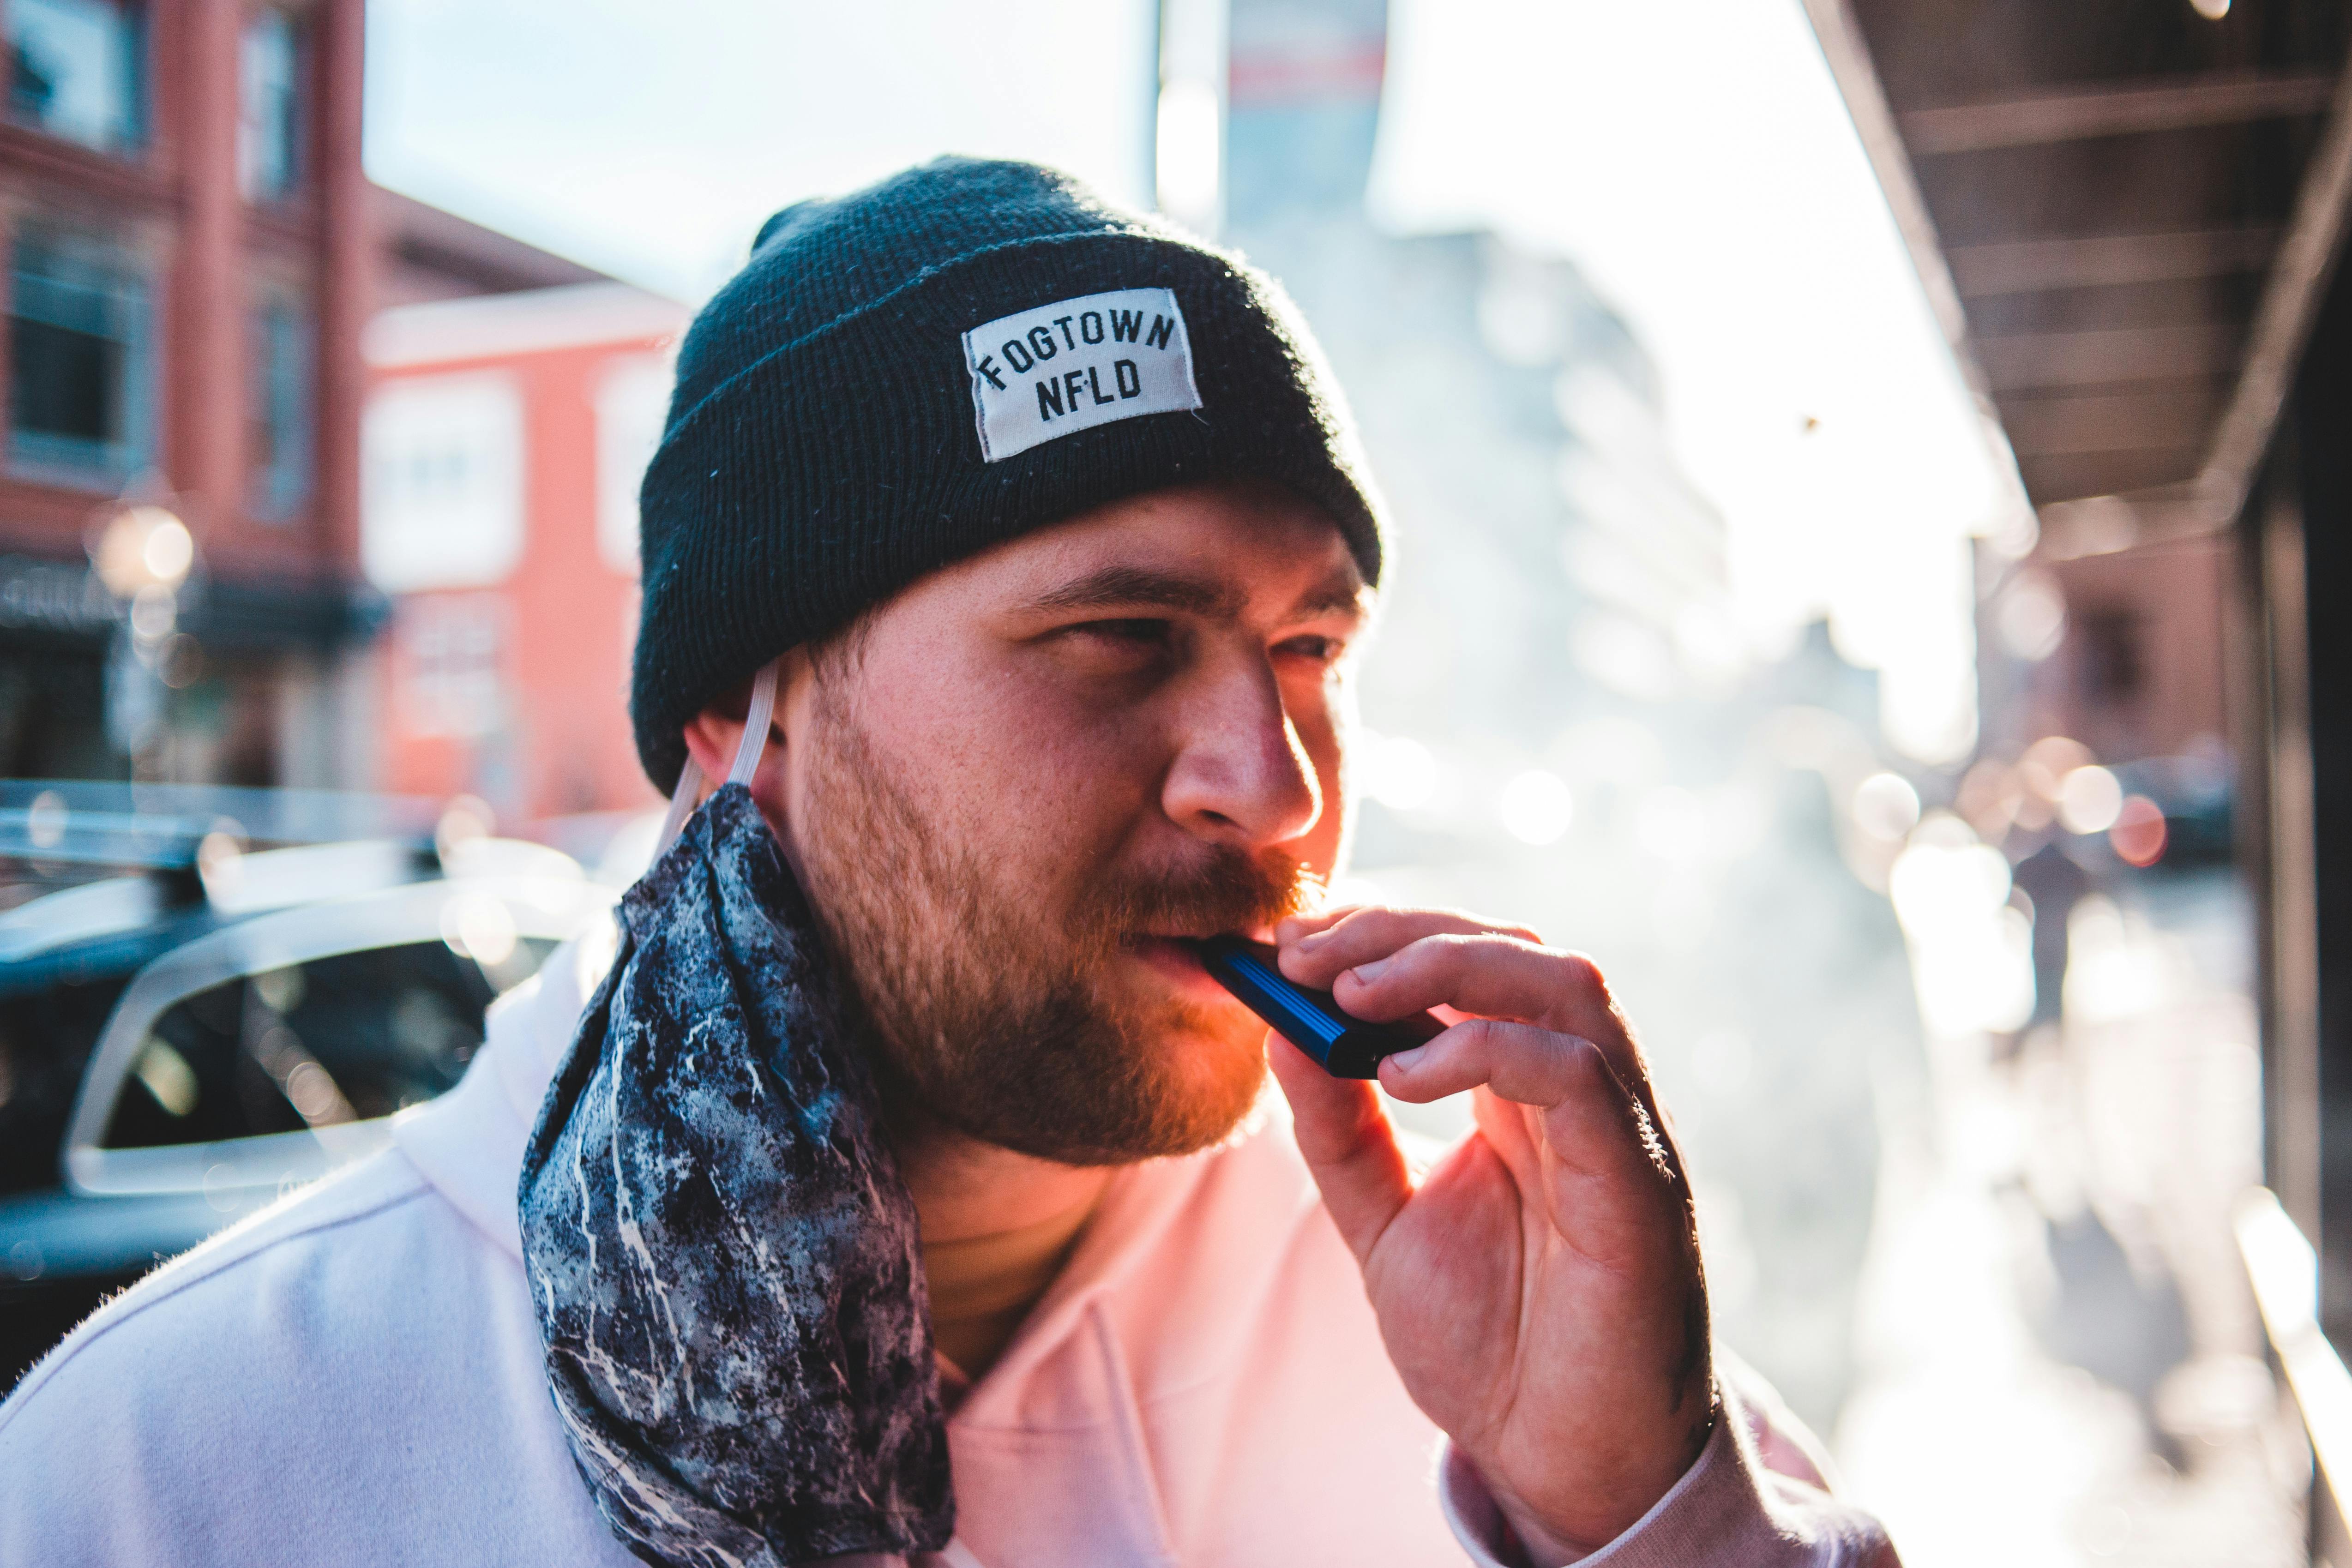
{"x":904,"y":1186}
{"x":2055,"y":883}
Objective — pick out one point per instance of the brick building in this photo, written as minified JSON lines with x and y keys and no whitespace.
{"x":187,"y":270}
{"x":504,"y":440}
{"x":189,"y":251}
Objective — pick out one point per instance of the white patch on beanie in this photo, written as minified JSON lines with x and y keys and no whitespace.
{"x":1046,"y":372}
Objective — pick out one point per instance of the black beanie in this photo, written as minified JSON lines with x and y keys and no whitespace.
{"x":842,"y":425}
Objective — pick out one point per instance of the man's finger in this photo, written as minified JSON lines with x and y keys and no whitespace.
{"x":1291,"y":927}
{"x":1347,"y":1144}
{"x":1519,"y":1062}
{"x":1594,"y":1129}
{"x":1503,"y":978}
{"x":1362,"y":935}
{"x":1493,"y":977}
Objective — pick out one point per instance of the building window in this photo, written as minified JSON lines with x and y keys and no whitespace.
{"x":269,"y":139}
{"x":2113,"y":670}
{"x":80,"y":397}
{"x":442,"y":501}
{"x":279,"y":406}
{"x":450,"y":664}
{"x":73,"y":70}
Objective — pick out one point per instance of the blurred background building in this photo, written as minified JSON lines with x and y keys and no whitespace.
{"x":1564,"y":720}
{"x":2127,"y":217}
{"x":504,"y":439}
{"x":194,"y":255}
{"x":188,"y":272}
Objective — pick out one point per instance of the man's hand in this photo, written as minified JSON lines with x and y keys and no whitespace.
{"x":1540,"y":1290}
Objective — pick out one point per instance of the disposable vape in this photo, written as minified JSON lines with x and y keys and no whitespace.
{"x":1346,"y":1046}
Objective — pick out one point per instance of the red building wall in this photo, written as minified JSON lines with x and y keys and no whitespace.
{"x":512,"y":685}
{"x":2138,"y":669}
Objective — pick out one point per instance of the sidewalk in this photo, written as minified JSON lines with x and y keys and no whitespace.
{"x":2060,"y":1363}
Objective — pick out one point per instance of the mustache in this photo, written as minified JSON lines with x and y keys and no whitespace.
{"x":1228,"y":889}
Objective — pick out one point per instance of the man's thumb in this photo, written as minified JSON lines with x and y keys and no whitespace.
{"x":1350,"y":1148}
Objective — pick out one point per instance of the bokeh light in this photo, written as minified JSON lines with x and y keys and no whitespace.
{"x":1938,"y":888}
{"x":2089,"y":799}
{"x":1537,"y":807}
{"x":1885,"y":805}
{"x":1970,"y":947}
{"x":168,"y":551}
{"x":142,"y":546}
{"x":2138,"y":834}
{"x":477,"y":925}
{"x":1398,"y":771}
{"x":2030,"y":617}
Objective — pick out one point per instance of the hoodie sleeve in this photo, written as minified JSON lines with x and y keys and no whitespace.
{"x":1758,"y":1496}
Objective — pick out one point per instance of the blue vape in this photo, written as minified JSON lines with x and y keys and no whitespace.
{"x":1343,"y":1045}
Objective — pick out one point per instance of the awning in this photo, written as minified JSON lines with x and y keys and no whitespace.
{"x":58,"y":601}
{"x":2127,"y":215}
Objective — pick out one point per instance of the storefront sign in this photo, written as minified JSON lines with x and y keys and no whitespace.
{"x":53,"y":596}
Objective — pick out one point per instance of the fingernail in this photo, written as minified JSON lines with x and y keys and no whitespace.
{"x":1408,"y":1060}
{"x":1367,"y":973}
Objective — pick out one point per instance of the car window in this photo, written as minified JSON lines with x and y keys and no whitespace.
{"x":45,"y":1036}
{"x":336,"y":1039}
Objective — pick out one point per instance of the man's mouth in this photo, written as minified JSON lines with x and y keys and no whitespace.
{"x":1173,"y":960}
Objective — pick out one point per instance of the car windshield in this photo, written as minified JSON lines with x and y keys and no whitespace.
{"x":335,"y":1039}
{"x":346,"y":1038}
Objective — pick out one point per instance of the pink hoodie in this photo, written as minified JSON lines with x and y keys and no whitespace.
{"x":352,"y":1376}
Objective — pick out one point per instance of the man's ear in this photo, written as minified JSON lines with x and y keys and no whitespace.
{"x":713,"y":734}
{"x":711,"y":738}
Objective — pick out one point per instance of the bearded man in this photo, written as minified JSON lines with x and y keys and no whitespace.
{"x":907,"y":1188}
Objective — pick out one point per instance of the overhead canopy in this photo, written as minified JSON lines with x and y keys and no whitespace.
{"x":2125,"y":210}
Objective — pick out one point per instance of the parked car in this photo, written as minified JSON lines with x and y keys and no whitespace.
{"x":184,"y":1040}
{"x":2193,"y":790}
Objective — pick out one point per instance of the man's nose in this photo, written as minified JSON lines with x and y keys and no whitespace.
{"x":1241,"y":776}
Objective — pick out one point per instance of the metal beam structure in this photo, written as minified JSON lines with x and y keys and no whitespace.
{"x":2128,"y":218}
{"x":2168,"y":416}
{"x":2290,"y":304}
{"x":2108,"y":261}
{"x":2129,"y":215}
{"x":2108,"y":355}
{"x":2079,"y":113}
{"x":2117,"y":205}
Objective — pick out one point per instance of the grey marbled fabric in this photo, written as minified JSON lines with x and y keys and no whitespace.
{"x":720,"y":1247}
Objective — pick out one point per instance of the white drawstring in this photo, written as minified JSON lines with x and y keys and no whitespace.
{"x":682,"y":802}
{"x":748,"y":752}
{"x":755,"y":726}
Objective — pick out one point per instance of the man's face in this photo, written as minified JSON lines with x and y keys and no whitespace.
{"x":1029,"y":772}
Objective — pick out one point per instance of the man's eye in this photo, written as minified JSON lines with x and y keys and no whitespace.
{"x":1322,"y":650}
{"x":1127,"y":643}
{"x":1139,"y":632}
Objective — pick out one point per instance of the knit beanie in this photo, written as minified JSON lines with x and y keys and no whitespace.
{"x":902,"y":377}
